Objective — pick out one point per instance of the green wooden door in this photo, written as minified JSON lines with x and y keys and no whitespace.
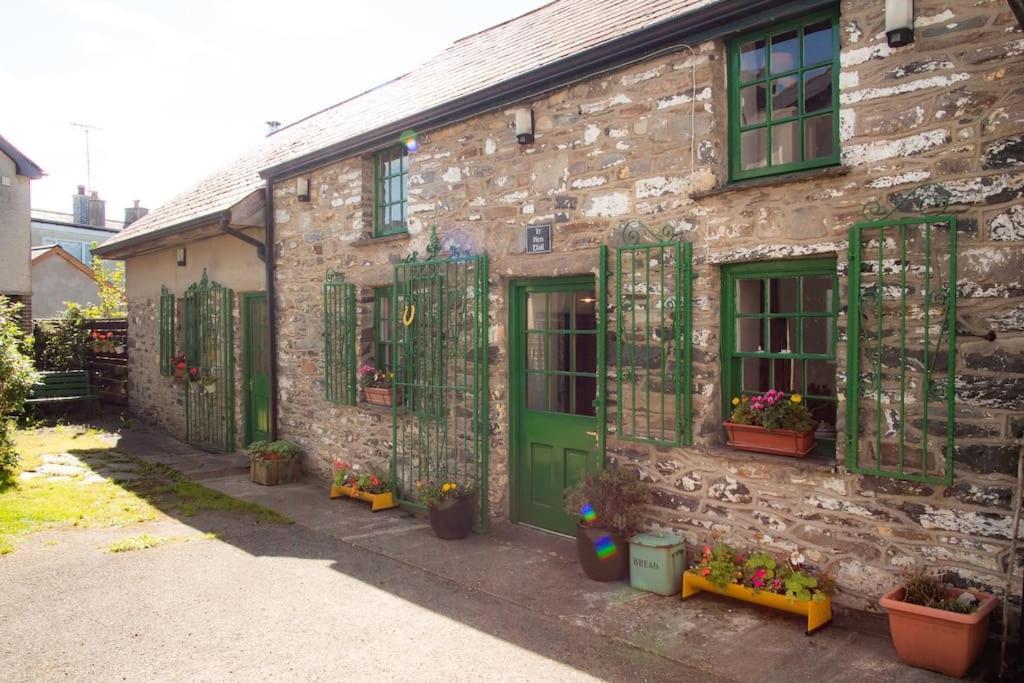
{"x":256,"y":373}
{"x":555,"y":359}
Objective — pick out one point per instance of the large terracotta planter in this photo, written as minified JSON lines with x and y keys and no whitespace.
{"x":379,"y":396}
{"x":774,"y":441}
{"x":936,"y":639}
{"x":603,"y":554}
{"x":453,"y":518}
{"x":818,"y":613}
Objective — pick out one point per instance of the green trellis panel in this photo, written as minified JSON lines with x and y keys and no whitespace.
{"x":440,"y":417}
{"x":209,"y":346}
{"x":901,"y":355}
{"x":167,"y":305}
{"x":339,"y":339}
{"x":653,"y":340}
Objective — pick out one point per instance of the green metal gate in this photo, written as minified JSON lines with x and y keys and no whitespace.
{"x":210,"y":354}
{"x":901,"y":355}
{"x":440,"y":417}
{"x":653,"y":337}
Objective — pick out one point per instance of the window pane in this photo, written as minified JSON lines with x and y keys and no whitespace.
{"x":818,"y":89}
{"x":750,"y":296}
{"x":536,"y":311}
{"x":821,"y":378}
{"x":785,"y":52}
{"x":783,"y":335}
{"x":785,"y":143}
{"x":753,"y":104}
{"x":819,"y":137}
{"x":783,"y":294}
{"x":817,"y":295}
{"x":586,"y":392}
{"x":817,"y":335}
{"x":586,"y":352}
{"x":559,"y":304}
{"x":755,"y":374}
{"x":752,"y":149}
{"x":823,"y":411}
{"x":784,"y":98}
{"x":544,"y":392}
{"x":586,"y":310}
{"x":535,"y":352}
{"x":818,"y":43}
{"x":536,"y":392}
{"x":752,"y":61}
{"x":789,"y":375}
{"x":751,"y":334}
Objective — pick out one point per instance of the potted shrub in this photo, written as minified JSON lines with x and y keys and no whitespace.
{"x":373,"y":487}
{"x":274,"y":462}
{"x":937,"y":627}
{"x":609,"y":508}
{"x":762,"y":579}
{"x":771,"y":423}
{"x":451,"y":507}
{"x":377,"y":384}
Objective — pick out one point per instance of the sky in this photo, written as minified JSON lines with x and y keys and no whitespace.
{"x":179,"y":89}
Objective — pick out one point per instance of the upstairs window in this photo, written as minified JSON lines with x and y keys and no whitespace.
{"x":783,"y":98}
{"x":391,"y":193}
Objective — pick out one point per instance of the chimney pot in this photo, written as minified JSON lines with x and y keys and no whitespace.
{"x":81,"y":189}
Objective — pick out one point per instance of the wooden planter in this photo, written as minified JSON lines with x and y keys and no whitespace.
{"x":271,"y":472}
{"x":936,"y":639}
{"x":379,"y":396}
{"x":775,"y":441}
{"x":818,"y":614}
{"x":377,"y":501}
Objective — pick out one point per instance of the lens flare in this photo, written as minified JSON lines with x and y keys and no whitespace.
{"x":605,"y":547}
{"x":409,"y":139}
{"x":587,"y":512}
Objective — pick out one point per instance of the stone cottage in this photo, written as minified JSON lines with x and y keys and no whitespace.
{"x":576,"y":237}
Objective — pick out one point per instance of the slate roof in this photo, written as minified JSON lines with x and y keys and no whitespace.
{"x":545,"y":36}
{"x":22,"y":164}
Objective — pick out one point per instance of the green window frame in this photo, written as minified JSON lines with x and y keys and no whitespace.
{"x":339,"y":339}
{"x":391,"y":191}
{"x":167,"y":306}
{"x":784,"y":88}
{"x":384,"y":347}
{"x":791,"y":307}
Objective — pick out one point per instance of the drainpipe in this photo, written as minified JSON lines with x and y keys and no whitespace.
{"x":268,"y":240}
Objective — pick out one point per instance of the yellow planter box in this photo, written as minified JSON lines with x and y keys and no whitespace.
{"x":377,"y":501}
{"x":818,"y":613}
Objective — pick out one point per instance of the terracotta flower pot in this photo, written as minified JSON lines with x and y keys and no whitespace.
{"x":453,"y":519}
{"x":603,"y":554}
{"x":937,"y":639}
{"x":775,"y":441}
{"x":379,"y":396}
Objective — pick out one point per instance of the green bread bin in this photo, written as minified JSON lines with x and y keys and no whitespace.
{"x":656,"y":563}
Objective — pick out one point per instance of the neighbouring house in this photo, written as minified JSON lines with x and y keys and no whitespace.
{"x":86,"y":225}
{"x":577,"y":236}
{"x":17,"y":172}
{"x":59,"y":278}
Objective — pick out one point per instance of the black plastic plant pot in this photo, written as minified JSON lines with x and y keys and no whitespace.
{"x":603,"y":554}
{"x":453,"y":519}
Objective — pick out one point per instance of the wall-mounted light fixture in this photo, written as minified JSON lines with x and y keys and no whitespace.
{"x":899,"y":22}
{"x":524,"y":126}
{"x":302,"y":189}
{"x":180,"y":255}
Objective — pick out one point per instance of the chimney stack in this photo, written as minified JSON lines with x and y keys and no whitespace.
{"x":80,"y":206}
{"x":134,"y":213}
{"x":97,"y":210}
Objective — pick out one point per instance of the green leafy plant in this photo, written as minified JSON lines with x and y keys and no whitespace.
{"x":760,"y":571}
{"x":612,"y":499}
{"x":17,"y":375}
{"x":274,"y":450}
{"x":372,"y":481}
{"x":110,"y":281}
{"x":926,"y":590}
{"x":772,"y":410}
{"x":62,"y":343}
{"x":434,"y":492}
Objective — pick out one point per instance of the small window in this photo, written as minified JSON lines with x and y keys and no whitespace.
{"x":779,"y":332}
{"x":783,"y":101}
{"x":391,"y":191}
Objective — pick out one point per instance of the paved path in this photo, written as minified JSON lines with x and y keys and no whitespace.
{"x":349,"y":595}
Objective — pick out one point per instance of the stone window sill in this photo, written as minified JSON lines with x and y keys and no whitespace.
{"x":384,"y":239}
{"x":820,"y":463}
{"x":773,"y":181}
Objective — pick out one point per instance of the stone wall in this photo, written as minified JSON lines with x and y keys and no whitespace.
{"x":948,"y":108}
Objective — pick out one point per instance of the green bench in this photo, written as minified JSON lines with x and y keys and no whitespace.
{"x":62,"y":387}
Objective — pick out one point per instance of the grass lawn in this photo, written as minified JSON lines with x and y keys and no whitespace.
{"x":83,"y":500}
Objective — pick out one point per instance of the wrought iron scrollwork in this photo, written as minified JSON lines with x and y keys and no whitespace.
{"x":634,"y":231}
{"x":927,"y":200}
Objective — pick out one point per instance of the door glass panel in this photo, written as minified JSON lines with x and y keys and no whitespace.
{"x":783,"y":294}
{"x":786,"y":143}
{"x":784,"y":98}
{"x":586,"y":353}
{"x":750,"y":296}
{"x":785,"y":52}
{"x":586,"y":312}
{"x":818,"y":42}
{"x":817,"y":295}
{"x":817,"y":335}
{"x":559,"y":308}
{"x":755,"y":374}
{"x":753,"y":149}
{"x":752,"y":62}
{"x":751,"y":334}
{"x":535,"y":351}
{"x":586,"y":392}
{"x":783,"y":335}
{"x":558,"y":394}
{"x":753,"y":104}
{"x":536,"y":310}
{"x":536,"y":392}
{"x":789,"y":376}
